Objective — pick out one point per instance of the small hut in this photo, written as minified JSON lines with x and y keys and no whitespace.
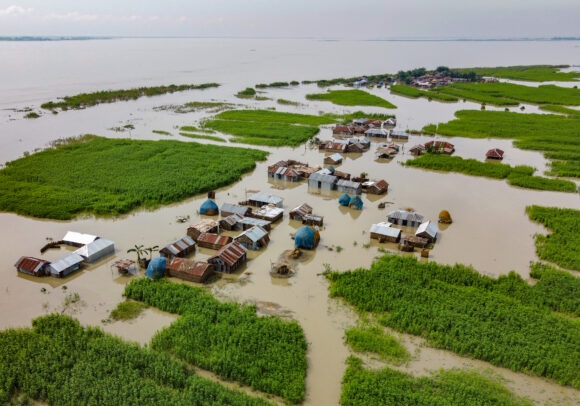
{"x":414,"y":241}
{"x":399,"y":135}
{"x":96,"y":250}
{"x":356,"y":203}
{"x":189,"y":270}
{"x":445,"y":217}
{"x":230,"y":222}
{"x":334,"y":159}
{"x":385,"y":233}
{"x":213,"y":241}
{"x":418,"y":150}
{"x":378,"y":188}
{"x":229,"y":258}
{"x":179,"y":248}
{"x":156,"y":268}
{"x":203,"y":226}
{"x":405,"y":218}
{"x":32,"y":266}
{"x":344,"y":200}
{"x":229,"y":209}
{"x":494,"y":153}
{"x":261,"y":199}
{"x":348,"y":186}
{"x":66,"y":265}
{"x":322,"y":180}
{"x":298,"y":213}
{"x":428,"y":230}
{"x":254,"y":238}
{"x":306,"y":237}
{"x":209,"y":208}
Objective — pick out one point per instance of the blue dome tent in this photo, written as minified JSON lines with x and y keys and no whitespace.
{"x":344,"y":200}
{"x":306,"y":237}
{"x":356,"y":203}
{"x":156,"y":268}
{"x":209,"y":208}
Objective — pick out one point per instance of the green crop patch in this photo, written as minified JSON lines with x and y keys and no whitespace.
{"x":103,"y":176}
{"x":228,"y":339}
{"x":413,"y":92}
{"x":533,"y":73}
{"x":458,"y":309}
{"x":354,"y":97}
{"x":373,"y":339}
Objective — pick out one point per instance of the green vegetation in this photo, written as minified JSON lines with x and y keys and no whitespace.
{"x":534,"y":73}
{"x":415,"y":93}
{"x":262,"y":98}
{"x":408,"y":76}
{"x":562,"y":245}
{"x":161,"y":132}
{"x":458,"y":309}
{"x":60,"y":362}
{"x":287,"y":102}
{"x":32,"y":114}
{"x":555,"y":288}
{"x":203,"y":137}
{"x":273,"y":84}
{"x":191,"y":107}
{"x":83,"y":100}
{"x":247,"y":93}
{"x":111,"y":176}
{"x":560,"y":109}
{"x":191,"y":128}
{"x":127,"y":310}
{"x":228,"y":339}
{"x":517,"y":176}
{"x":506,"y":94}
{"x":361,"y":387}
{"x":266,"y":127}
{"x":373,"y":339}
{"x":555,"y":135}
{"x":354,"y":97}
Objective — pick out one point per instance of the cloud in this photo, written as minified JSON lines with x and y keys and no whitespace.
{"x":73,"y":16}
{"x":15,"y":10}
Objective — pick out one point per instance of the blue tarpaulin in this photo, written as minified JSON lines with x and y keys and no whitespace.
{"x":156,"y":268}
{"x":344,"y":200}
{"x":209,"y":207}
{"x":306,"y":237}
{"x":356,"y":203}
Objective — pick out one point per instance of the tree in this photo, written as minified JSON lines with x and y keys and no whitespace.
{"x":139,"y":250}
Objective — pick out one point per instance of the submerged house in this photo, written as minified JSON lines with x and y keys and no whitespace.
{"x":230,"y":222}
{"x":377,"y":132}
{"x":348,"y":186}
{"x":405,"y":218}
{"x":298,"y":213}
{"x":440,"y":147}
{"x":385,"y":233}
{"x":189,"y":270}
{"x":322,"y":180}
{"x":269,"y":213}
{"x":385,"y":152}
{"x":229,"y":258}
{"x":343,"y":130}
{"x":335,"y":146}
{"x":334,"y":159}
{"x":414,"y":241}
{"x":253,"y":238}
{"x":285,"y":173}
{"x":213,"y":241}
{"x":377,"y":188}
{"x":228,"y":209}
{"x":179,"y":248}
{"x":78,"y":239}
{"x":32,"y":266}
{"x":203,"y":226}
{"x":261,"y":199}
{"x":65,"y":266}
{"x":399,"y":135}
{"x":494,"y":153}
{"x":418,"y":149}
{"x":96,"y":250}
{"x":249,"y":222}
{"x":428,"y":230}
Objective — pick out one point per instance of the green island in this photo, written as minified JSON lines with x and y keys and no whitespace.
{"x":517,"y":176}
{"x":415,"y":93}
{"x":83,"y":100}
{"x":228,"y":339}
{"x":562,"y":245}
{"x":247,"y":93}
{"x":458,"y":309}
{"x":287,"y":102}
{"x":59,"y":362}
{"x":511,"y":94}
{"x":560,"y":109}
{"x":371,"y":338}
{"x":555,"y":135}
{"x":352,"y":97}
{"x":102,"y":176}
{"x":127,"y":310}
{"x":161,"y":132}
{"x":266,"y":127}
{"x":203,"y":137}
{"x":533,"y":73}
{"x":194,"y":106}
{"x":276,"y":84}
{"x":386,"y":386}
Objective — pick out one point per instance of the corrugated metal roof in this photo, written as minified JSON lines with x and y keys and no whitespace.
{"x":255,"y":233}
{"x":269,"y":211}
{"x":196,"y":268}
{"x":254,"y":222}
{"x":30,"y":264}
{"x":266,"y":198}
{"x":377,"y":131}
{"x":399,"y":134}
{"x":233,"y":219}
{"x":231,"y":253}
{"x":180,"y":245}
{"x":216,"y":239}
{"x":204,"y":225}
{"x":428,"y":227}
{"x":234,"y":208}
{"x":286,"y":172}
{"x":385,"y":229}
{"x":302,"y":210}
{"x":348,"y":184}
{"x":79,"y":238}
{"x":405,"y":215}
{"x":102,"y":244}
{"x":66,"y":262}
{"x":321,"y":176}
{"x":335,"y":157}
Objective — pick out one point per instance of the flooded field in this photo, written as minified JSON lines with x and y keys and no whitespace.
{"x":491,"y":230}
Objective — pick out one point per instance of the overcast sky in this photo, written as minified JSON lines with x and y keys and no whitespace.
{"x":340,"y":19}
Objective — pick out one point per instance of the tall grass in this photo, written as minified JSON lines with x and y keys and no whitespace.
{"x":354,"y":97}
{"x":415,"y":93}
{"x":534,"y":73}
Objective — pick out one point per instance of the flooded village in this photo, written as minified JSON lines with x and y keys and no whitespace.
{"x":337,"y":202}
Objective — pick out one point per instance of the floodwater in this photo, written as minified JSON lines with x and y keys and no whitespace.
{"x":490,"y":231}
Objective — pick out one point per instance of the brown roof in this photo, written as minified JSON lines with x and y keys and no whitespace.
{"x":494,"y":153}
{"x":303,"y":209}
{"x":342,"y":129}
{"x":231,"y":253}
{"x":439,"y":144}
{"x":204,"y":225}
{"x":214,"y":239}
{"x":195,"y":268}
{"x":381,"y":184}
{"x":30,"y":264}
{"x":233,"y":219}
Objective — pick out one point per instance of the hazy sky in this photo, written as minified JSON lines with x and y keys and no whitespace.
{"x":363,"y":19}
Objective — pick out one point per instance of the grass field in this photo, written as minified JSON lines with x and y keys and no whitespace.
{"x":562,"y":244}
{"x":560,"y":109}
{"x":228,"y":339}
{"x":372,"y":338}
{"x":127,"y":310}
{"x":555,"y":135}
{"x":388,"y":387}
{"x":103,"y":176}
{"x":267,"y":127}
{"x":458,"y":309}
{"x":518,"y":176}
{"x":83,"y":100}
{"x":354,"y":97}
{"x":203,"y":137}
{"x":506,"y":94}
{"x":413,"y":92}
{"x":533,"y":73}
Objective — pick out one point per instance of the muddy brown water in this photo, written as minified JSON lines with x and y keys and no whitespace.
{"x":490,"y":231}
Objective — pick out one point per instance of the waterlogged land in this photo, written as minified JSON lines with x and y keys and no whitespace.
{"x":352,"y":97}
{"x":84,"y":100}
{"x":533,"y":73}
{"x":413,"y":92}
{"x":103,"y":176}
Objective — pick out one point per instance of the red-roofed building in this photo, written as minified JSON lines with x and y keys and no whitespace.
{"x":229,"y":258}
{"x":213,"y":241}
{"x":494,"y":153}
{"x":31,"y":266}
{"x":189,"y":270}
